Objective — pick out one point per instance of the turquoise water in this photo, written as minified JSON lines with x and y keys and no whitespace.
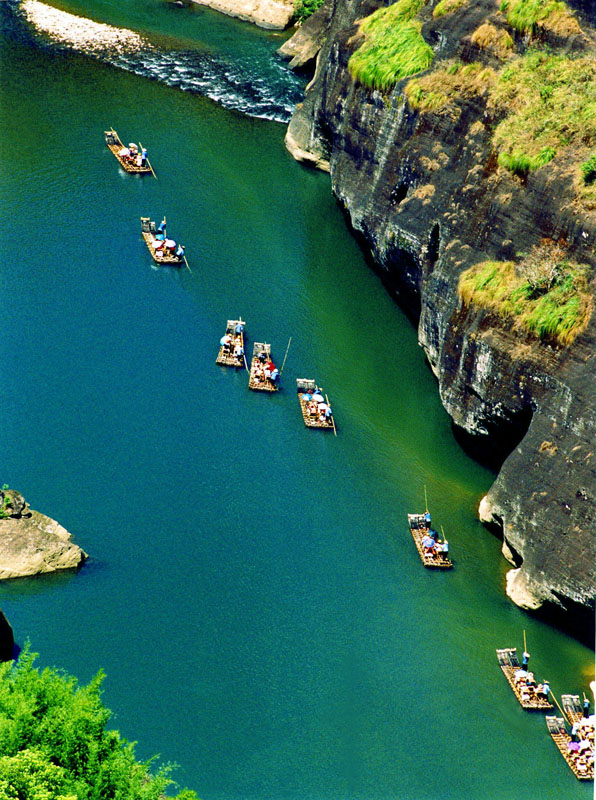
{"x":253,"y":592}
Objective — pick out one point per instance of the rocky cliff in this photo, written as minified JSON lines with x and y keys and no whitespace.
{"x":419,"y":173}
{"x":30,"y":542}
{"x":273,"y":14}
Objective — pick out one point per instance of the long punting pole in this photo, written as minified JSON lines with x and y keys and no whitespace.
{"x":425,"y":499}
{"x":245,"y":362}
{"x":443,"y":532}
{"x":551,"y":694}
{"x":148,"y":162}
{"x":286,"y":355}
{"x":332,"y":420}
{"x":525,"y":646}
{"x":187,"y":266}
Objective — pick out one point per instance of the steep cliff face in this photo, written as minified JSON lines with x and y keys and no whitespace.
{"x":425,"y":191}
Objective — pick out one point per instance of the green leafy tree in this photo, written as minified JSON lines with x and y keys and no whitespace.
{"x":54,"y":744}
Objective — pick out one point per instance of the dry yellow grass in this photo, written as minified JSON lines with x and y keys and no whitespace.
{"x":495,"y":40}
{"x":448,"y":7}
{"x":556,"y":310}
{"x":439,"y":90}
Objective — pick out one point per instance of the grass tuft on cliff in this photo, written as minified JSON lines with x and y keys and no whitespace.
{"x":551,"y":100}
{"x":439,"y":90}
{"x":527,"y":16}
{"x":544,"y":294}
{"x":495,"y":40}
{"x":393,"y":46}
{"x":448,"y":7}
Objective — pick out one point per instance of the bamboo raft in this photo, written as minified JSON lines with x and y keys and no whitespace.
{"x":509,"y":663}
{"x":419,"y":528}
{"x":115,"y":145}
{"x":310,"y":414}
{"x":226,"y":357}
{"x":572,"y":707}
{"x":148,"y":229}
{"x":559,"y":735}
{"x":257,"y":380}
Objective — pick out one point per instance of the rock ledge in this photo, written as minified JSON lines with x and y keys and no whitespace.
{"x":32,"y":543}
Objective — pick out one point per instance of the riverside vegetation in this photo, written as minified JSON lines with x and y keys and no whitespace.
{"x":54,"y":744}
{"x":393,"y":46}
{"x":544,"y":293}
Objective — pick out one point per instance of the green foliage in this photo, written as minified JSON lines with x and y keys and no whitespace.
{"x":588,"y":170}
{"x":6,"y":504}
{"x":448,"y":7}
{"x":525,"y":15}
{"x":547,"y":297}
{"x":521,"y":163}
{"x":551,"y":103}
{"x":54,"y":744}
{"x":303,"y":9}
{"x":393,"y":46}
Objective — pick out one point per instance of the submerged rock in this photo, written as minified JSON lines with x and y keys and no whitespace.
{"x":418,"y":174}
{"x":32,"y":543}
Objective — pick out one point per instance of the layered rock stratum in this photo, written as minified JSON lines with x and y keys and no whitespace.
{"x":32,"y":543}
{"x":425,"y":192}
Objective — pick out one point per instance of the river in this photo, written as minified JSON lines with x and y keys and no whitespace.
{"x":253,"y":592}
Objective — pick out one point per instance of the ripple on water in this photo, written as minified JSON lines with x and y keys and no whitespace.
{"x":237,"y":84}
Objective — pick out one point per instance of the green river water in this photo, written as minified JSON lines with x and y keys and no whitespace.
{"x":253,"y":592}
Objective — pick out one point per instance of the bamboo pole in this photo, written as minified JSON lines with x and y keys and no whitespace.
{"x":443,"y":532}
{"x":245,"y":362}
{"x":552,"y":694}
{"x":332,"y":420}
{"x":425,"y":499}
{"x":286,"y":355}
{"x":525,"y":645}
{"x":187,"y":265}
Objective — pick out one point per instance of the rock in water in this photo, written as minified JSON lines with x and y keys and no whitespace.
{"x":32,"y":543}
{"x":6,"y":639}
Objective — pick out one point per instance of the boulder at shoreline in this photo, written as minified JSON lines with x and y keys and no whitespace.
{"x":32,"y":543}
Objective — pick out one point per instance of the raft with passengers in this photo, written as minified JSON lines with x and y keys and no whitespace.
{"x":316,"y":411}
{"x":162,"y":249}
{"x":132,"y":158}
{"x":231,"y":345}
{"x":576,"y":748}
{"x":531,"y":695}
{"x":433,"y":551}
{"x":264,"y":375}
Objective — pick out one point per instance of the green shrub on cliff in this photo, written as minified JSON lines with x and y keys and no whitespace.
{"x":54,"y":745}
{"x":393,"y":46}
{"x":551,"y":104}
{"x":527,"y":15}
{"x":543,"y":293}
{"x":588,"y":170}
{"x":303,"y":9}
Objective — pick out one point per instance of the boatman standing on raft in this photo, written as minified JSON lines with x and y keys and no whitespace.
{"x":525,"y":659}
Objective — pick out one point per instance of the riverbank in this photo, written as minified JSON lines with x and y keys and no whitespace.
{"x":270,"y":14}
